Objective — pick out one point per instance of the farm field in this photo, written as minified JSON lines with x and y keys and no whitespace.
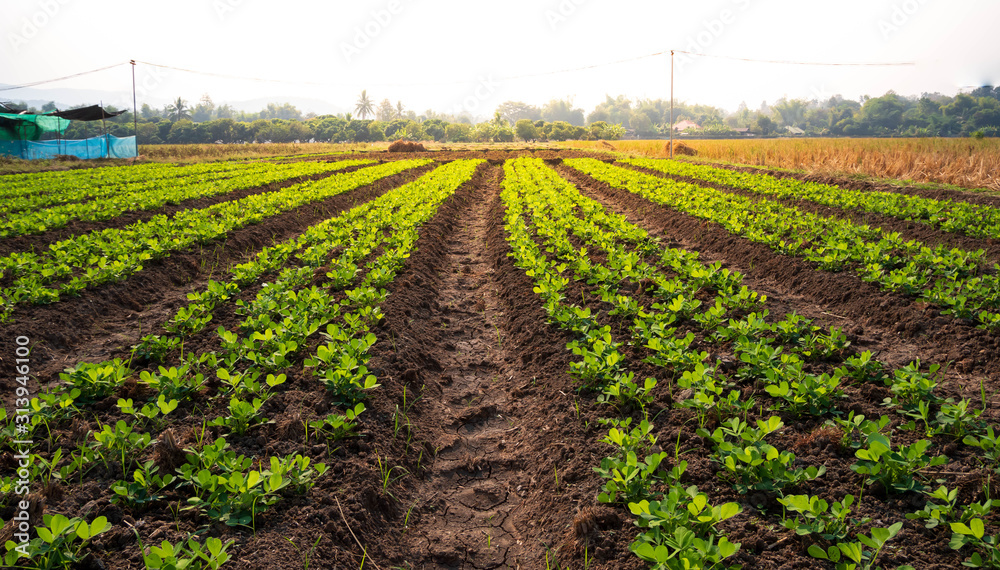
{"x":500,"y":358}
{"x":963,"y":162}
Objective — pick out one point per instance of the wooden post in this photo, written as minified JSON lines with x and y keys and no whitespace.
{"x":135,"y":112}
{"x":671,"y":103}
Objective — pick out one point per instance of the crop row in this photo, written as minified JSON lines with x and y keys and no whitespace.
{"x":138,"y":199}
{"x":113,"y":254}
{"x":678,"y":523}
{"x":87,"y":182}
{"x":954,"y":279}
{"x":635,"y":475}
{"x":950,"y":216}
{"x":213,"y":481}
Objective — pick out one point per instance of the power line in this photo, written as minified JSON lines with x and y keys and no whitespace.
{"x":227,"y":76}
{"x":12,"y":87}
{"x":410,"y":84}
{"x":788,"y":62}
{"x":465,"y":82}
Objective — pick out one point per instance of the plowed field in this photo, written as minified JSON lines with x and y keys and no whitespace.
{"x":484,"y":441}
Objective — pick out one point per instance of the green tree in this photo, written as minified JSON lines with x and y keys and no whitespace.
{"x":183,"y":131}
{"x":962,"y":107}
{"x":562,"y":110}
{"x":178,"y":110}
{"x":385,"y":111}
{"x":526,"y":130}
{"x":617,"y":110}
{"x":514,"y":111}
{"x":364,"y":106}
{"x":203,"y":110}
{"x":763,"y":125}
{"x":435,"y":129}
{"x":458,"y":132}
{"x":792,"y":113}
{"x":885,"y":112}
{"x":640,"y":122}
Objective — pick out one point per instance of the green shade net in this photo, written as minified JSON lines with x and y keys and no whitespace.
{"x":29,"y":127}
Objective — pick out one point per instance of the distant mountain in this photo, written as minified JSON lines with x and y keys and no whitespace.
{"x":304,"y":104}
{"x":66,"y":98}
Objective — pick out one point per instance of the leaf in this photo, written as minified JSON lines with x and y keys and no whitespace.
{"x":961,"y":528}
{"x":978,"y":530}
{"x":729,"y":510}
{"x":816,"y":552}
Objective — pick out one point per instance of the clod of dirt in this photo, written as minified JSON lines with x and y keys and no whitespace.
{"x":167,"y":454}
{"x":406,"y":146}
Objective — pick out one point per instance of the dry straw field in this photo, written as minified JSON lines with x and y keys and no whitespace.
{"x":968,"y":163}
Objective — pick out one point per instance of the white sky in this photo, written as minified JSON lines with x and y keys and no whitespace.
{"x":436,"y":53}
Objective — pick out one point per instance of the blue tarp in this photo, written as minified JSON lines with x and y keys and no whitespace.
{"x":105,"y":146}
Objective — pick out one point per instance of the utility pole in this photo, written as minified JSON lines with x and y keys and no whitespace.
{"x":671,"y":103}
{"x":135,"y":114}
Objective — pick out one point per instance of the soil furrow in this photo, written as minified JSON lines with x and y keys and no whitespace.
{"x":104,"y":321}
{"x":506,"y":461}
{"x":901,"y":328}
{"x":468,"y":491}
{"x":41,"y":242}
{"x":910,"y":230}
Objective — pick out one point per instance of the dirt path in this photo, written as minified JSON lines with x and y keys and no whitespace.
{"x":469,"y":494}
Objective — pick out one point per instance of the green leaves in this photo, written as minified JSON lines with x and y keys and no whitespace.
{"x":95,"y":381}
{"x":951,"y":278}
{"x":59,"y":543}
{"x":855,"y":551}
{"x":190,"y":554}
{"x":227,"y":492}
{"x":895,"y":469}
{"x":756,"y":465}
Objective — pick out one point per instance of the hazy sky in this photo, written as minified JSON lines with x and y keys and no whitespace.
{"x":452,"y":55}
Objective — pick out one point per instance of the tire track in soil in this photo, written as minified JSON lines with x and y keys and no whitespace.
{"x":485,"y":494}
{"x":468,"y":497}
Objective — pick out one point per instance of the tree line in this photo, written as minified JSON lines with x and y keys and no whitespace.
{"x":976,"y":113}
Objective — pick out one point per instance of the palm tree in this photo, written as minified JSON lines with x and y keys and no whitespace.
{"x":399,"y":109}
{"x":178,"y":110}
{"x":364,"y":106}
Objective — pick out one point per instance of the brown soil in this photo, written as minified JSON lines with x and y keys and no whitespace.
{"x":491,"y":445}
{"x":910,"y":230}
{"x":41,"y":242}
